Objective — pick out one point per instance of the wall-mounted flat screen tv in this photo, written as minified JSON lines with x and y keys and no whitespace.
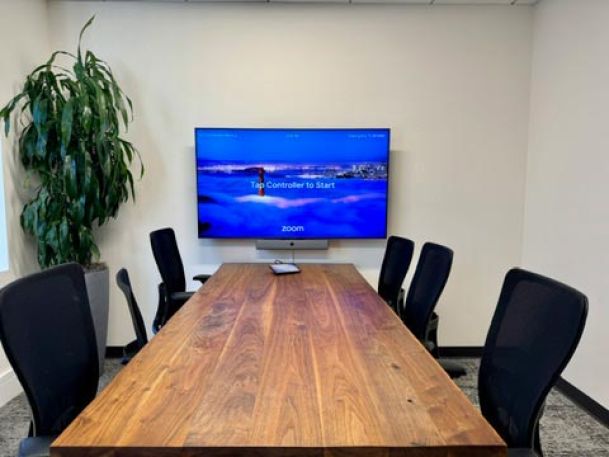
{"x":292,"y":183}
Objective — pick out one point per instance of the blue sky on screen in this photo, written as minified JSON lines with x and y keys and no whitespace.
{"x":293,"y":145}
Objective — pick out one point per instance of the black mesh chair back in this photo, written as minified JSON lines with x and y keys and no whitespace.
{"x":534,"y":332}
{"x":168,"y":260}
{"x":430,"y":277}
{"x":396,"y":261}
{"x":123,"y":282}
{"x":47,"y":333}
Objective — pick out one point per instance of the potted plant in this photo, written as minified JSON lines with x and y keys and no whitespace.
{"x":70,"y":145}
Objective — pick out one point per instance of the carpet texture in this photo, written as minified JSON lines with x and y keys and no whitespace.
{"x":566,"y":430}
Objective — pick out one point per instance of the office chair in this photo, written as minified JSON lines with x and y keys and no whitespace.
{"x":430,"y":277}
{"x":46,"y":329}
{"x":533,"y":334}
{"x":398,"y":254}
{"x":172,"y":291}
{"x":123,"y":282}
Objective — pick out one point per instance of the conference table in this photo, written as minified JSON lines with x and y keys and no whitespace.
{"x":308,"y":364}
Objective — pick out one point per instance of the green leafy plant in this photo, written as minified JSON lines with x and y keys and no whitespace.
{"x":69,"y":142}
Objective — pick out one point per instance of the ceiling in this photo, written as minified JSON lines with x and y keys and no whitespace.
{"x":408,"y":2}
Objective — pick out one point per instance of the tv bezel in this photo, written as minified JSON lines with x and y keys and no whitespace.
{"x":305,"y":129}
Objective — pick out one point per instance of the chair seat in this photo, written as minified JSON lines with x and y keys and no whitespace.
{"x":522,"y":452}
{"x":36,"y":446}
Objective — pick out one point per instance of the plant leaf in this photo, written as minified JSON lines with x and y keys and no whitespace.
{"x":82,"y":31}
{"x":66,"y":126}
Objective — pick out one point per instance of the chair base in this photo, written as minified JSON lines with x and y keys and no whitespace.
{"x":36,"y":446}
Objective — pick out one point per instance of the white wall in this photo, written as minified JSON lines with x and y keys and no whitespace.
{"x":23,"y":34}
{"x":3,"y":222}
{"x":567,"y":213}
{"x":451,"y":82}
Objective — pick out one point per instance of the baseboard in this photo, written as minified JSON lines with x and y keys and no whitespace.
{"x":592,"y":407}
{"x":461,"y":351}
{"x":9,"y":386}
{"x":114,"y":352}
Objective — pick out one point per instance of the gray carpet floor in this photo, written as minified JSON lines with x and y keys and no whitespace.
{"x":566,"y":430}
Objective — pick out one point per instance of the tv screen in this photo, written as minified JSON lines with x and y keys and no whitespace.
{"x":292,"y":183}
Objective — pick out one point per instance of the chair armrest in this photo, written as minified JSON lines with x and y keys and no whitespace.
{"x":201,"y":278}
{"x":430,"y":340}
{"x":180,"y":296}
{"x":400,"y":304}
{"x":161,"y":310}
{"x":434,"y":320}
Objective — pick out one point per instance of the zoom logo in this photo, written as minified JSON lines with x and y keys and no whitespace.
{"x":292,"y":228}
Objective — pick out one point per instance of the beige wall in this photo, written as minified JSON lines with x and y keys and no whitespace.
{"x":24,"y":43}
{"x":567,"y":215}
{"x":451,"y":82}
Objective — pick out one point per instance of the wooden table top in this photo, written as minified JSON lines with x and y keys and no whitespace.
{"x":309,"y":364}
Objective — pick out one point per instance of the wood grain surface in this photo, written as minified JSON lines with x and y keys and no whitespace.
{"x":309,"y":364}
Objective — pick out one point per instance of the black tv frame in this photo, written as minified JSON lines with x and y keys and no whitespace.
{"x":296,"y":242}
